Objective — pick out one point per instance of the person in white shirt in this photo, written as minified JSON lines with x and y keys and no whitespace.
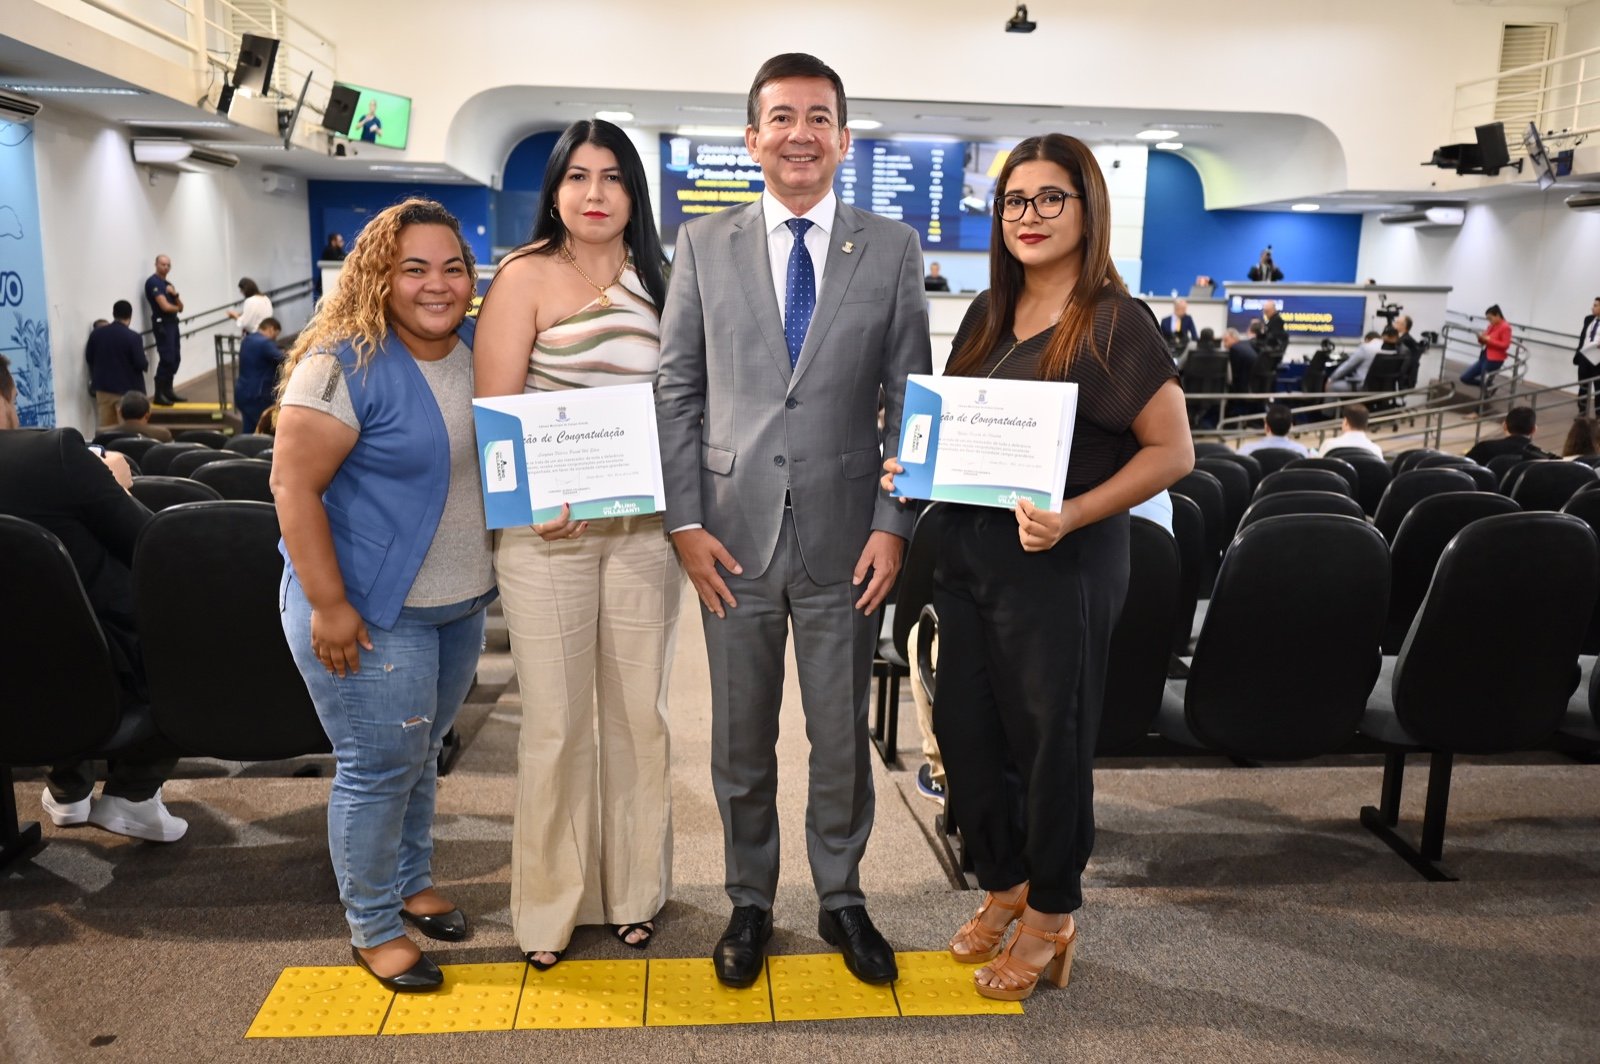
{"x":1280,"y":419}
{"x":255,"y":309}
{"x":1587,"y":359}
{"x":1352,"y":372}
{"x":1353,"y":433}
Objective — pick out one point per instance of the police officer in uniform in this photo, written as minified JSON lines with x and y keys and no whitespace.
{"x":165,"y":306}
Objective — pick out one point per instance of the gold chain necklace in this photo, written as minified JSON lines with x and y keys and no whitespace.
{"x":605,"y":300}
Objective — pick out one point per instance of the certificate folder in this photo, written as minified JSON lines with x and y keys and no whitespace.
{"x":986,"y":442}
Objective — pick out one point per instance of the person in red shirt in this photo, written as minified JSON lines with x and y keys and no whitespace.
{"x":1496,"y":341}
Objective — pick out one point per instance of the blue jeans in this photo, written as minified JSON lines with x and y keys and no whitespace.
{"x":1482,"y":370}
{"x":387,"y":723}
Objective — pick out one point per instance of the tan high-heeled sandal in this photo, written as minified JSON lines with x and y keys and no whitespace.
{"x":981,"y":934}
{"x":1014,"y":969}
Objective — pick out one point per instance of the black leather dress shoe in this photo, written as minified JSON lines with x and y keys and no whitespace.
{"x":423,"y":975}
{"x":743,"y":946}
{"x":866,"y":953}
{"x":446,"y":927}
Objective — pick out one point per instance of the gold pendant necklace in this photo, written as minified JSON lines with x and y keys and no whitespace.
{"x":605,"y":300}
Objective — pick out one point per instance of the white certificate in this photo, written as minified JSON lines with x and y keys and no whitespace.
{"x":986,"y":442}
{"x":593,"y":448}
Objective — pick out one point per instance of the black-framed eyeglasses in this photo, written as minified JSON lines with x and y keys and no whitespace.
{"x":1047,"y":204}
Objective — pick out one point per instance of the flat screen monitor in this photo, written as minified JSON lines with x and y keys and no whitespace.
{"x":381,"y":118}
{"x":1537,"y":158}
{"x":254,"y":72}
{"x":341,"y":109}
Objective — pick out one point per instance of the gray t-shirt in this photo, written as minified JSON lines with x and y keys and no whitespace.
{"x":460,"y":562}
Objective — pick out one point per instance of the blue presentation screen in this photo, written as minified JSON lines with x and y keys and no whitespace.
{"x":1309,"y":317}
{"x":942,"y":189}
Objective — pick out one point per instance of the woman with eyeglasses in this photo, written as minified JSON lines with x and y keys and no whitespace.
{"x":1027,"y":598}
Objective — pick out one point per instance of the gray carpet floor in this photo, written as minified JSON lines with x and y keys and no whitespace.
{"x":1232,"y":914}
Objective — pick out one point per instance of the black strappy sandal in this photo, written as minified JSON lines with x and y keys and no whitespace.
{"x":622,"y":931}
{"x":540,"y":966}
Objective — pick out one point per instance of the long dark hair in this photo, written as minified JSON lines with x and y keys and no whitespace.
{"x":1097,"y":278}
{"x":643,"y":241}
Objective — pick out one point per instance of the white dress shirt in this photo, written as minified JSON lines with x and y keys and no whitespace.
{"x":1353,"y":438}
{"x":255,"y":310}
{"x":780,"y":240}
{"x":1589,"y":342}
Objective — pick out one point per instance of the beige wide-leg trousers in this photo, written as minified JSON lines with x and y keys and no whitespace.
{"x":592,"y":623}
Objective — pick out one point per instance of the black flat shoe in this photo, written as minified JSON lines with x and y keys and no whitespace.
{"x":446,"y":927}
{"x":743,"y":946}
{"x":421,"y":976}
{"x":866,"y":953}
{"x":540,"y":966}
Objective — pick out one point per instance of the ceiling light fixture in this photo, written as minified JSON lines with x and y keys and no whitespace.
{"x":72,"y":90}
{"x":179,"y":123}
{"x":1306,"y":208}
{"x":707,"y":109}
{"x":1156,"y":134}
{"x":864,"y":123}
{"x":711,"y":131}
{"x":1170,"y":145}
{"x":954,"y":118}
{"x":614,"y":116}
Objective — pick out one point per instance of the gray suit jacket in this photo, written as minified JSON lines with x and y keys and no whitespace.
{"x":739,"y":428}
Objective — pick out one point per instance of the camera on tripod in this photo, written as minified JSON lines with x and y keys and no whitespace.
{"x":1387,"y":311}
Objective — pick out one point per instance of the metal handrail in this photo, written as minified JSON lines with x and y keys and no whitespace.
{"x":1574,"y":109}
{"x":288,"y":293}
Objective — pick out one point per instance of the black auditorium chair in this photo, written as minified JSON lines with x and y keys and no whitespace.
{"x":1141,"y":643}
{"x":1432,"y":523}
{"x":1406,"y":488}
{"x":1333,"y":465}
{"x":132,"y":446}
{"x":1548,"y":485}
{"x":1406,"y":459}
{"x":1347,"y":453}
{"x":249,"y":445}
{"x":1205,"y":448}
{"x":1482,"y":476}
{"x":209,"y":437}
{"x":1251,"y":691}
{"x":1316,"y":380}
{"x":1582,"y":720}
{"x":157,"y":460}
{"x":243,"y":479}
{"x":1436,"y":698}
{"x":63,"y":698}
{"x":1207,"y":493}
{"x":1590,"y":460}
{"x":1236,"y":488}
{"x":1513,"y":474}
{"x":1244,"y":461}
{"x":266,"y":455}
{"x":1373,"y":476}
{"x":1432,"y":460}
{"x":1383,"y":375}
{"x":105,"y":436}
{"x":1304,"y":480}
{"x":1263,"y":377}
{"x":1302,"y":502}
{"x":1205,"y":373}
{"x":1272,"y":459}
{"x":913,"y":590}
{"x":222,"y":681}
{"x":184,"y":465}
{"x":1189,"y":532}
{"x":1586,"y":507}
{"x":158,"y":493}
{"x":1501,"y":464}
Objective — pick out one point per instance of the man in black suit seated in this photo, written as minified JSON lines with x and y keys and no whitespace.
{"x":1242,"y":355}
{"x":1519,"y":424}
{"x":50,"y":477}
{"x":935,"y":282}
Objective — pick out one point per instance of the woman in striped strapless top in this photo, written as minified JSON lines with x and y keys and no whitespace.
{"x":591,"y":606}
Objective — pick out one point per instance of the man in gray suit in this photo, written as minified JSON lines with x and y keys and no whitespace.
{"x":786,"y":321}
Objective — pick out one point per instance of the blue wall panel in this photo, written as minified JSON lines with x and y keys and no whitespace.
{"x":1182,"y":239}
{"x":346,"y":206}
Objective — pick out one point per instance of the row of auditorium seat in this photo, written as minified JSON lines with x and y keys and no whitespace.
{"x":200,"y":466}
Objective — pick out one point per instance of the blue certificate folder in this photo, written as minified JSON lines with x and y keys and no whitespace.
{"x":974,"y":421}
{"x":505,"y":425}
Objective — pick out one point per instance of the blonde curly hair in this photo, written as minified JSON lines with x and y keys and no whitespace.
{"x":358,"y":310}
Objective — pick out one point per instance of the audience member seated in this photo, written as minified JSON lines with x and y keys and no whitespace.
{"x":1352,"y":433}
{"x":935,"y":282}
{"x":1580,"y":441}
{"x":52,"y":479}
{"x":1177,"y":328}
{"x":1496,"y":341}
{"x":1242,"y":355}
{"x":1520,"y":423}
{"x":1351,"y":374}
{"x":1280,"y":419}
{"x":134,"y":408}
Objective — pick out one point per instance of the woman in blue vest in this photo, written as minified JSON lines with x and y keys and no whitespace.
{"x":375,"y":475}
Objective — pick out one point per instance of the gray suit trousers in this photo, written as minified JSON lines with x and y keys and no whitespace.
{"x":833,"y":652}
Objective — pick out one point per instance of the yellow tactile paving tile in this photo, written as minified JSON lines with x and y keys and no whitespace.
{"x":819,"y":987}
{"x":475,"y":997}
{"x":583,"y":994}
{"x":322,"y":1002}
{"x":932,"y":984}
{"x":685,"y":993}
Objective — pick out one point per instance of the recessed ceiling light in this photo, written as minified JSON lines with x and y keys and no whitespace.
{"x":1156,"y":134}
{"x":711,"y":131}
{"x":864,"y":123}
{"x":180,"y":123}
{"x":705,"y":109}
{"x":72,"y":90}
{"x":955,"y":118}
{"x":1306,"y":207}
{"x":614,"y":116}
{"x":1170,"y":145}
{"x":1067,"y":122}
{"x":591,"y":106}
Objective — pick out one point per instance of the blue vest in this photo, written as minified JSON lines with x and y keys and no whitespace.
{"x":385,"y":502}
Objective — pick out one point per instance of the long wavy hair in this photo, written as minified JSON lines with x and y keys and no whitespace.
{"x":643,"y":241}
{"x":358,"y":309}
{"x":1097,"y":278}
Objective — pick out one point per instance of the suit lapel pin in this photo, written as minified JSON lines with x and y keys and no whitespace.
{"x":849,"y":246}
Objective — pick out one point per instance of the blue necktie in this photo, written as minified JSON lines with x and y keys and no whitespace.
{"x":799,"y":291}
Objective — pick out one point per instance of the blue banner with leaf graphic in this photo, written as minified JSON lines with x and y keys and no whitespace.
{"x":24,"y":333}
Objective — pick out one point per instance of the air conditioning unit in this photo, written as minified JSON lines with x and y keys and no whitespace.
{"x":16,"y":107}
{"x":1584,"y":201}
{"x":280,"y":184}
{"x":175,"y":154}
{"x":1427,"y":217}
